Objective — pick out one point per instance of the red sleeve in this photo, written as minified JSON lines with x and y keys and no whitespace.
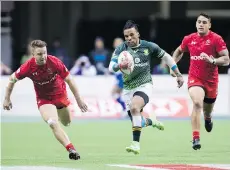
{"x":220,"y":44}
{"x":184,"y":44}
{"x":23,"y":71}
{"x":61,"y":69}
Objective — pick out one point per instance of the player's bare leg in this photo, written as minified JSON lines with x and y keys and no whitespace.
{"x":197,"y":95}
{"x":208,"y":108}
{"x":65,"y":118}
{"x":64,"y":115}
{"x":50,"y":115}
{"x":137,"y":104}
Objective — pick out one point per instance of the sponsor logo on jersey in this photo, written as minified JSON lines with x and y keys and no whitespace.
{"x":193,"y":42}
{"x":198,"y":57}
{"x":141,"y":64}
{"x":146,"y":52}
{"x":46,"y":82}
{"x":137,"y":60}
{"x":208,"y":42}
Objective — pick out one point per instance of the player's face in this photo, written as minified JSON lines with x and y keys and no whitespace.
{"x":203,"y":25}
{"x":131,"y":37}
{"x":40,"y":55}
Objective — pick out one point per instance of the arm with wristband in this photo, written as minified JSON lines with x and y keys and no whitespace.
{"x":160,"y":53}
{"x":172,"y":64}
{"x":113,"y":65}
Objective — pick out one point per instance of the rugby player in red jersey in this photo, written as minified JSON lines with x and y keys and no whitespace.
{"x":49,"y":76}
{"x":207,"y":51}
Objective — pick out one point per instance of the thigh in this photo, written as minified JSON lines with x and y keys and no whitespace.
{"x":209,"y":101}
{"x":49,"y":113}
{"x":145,"y":88}
{"x":193,"y":81}
{"x":197,"y":94}
{"x":211,"y":90}
{"x":137,"y":102}
{"x":65,"y":114}
{"x":41,"y":102}
{"x":61,"y":101}
{"x":145,"y":92}
{"x":127,"y":97}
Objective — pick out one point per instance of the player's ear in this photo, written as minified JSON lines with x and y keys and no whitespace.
{"x":210,"y":25}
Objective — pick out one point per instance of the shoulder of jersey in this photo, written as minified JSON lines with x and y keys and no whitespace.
{"x":122,"y":46}
{"x":52,"y":58}
{"x":147,"y":44}
{"x":215,"y":35}
{"x":144,"y":42}
{"x":30,"y":61}
{"x":194,"y":34}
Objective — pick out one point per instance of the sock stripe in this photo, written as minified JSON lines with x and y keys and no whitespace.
{"x":135,"y":128}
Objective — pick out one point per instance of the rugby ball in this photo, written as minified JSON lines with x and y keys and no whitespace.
{"x":126,"y":63}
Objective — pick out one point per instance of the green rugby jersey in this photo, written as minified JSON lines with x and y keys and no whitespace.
{"x":141,"y":56}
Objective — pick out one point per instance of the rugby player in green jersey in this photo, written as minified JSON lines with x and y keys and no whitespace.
{"x":138,"y":85}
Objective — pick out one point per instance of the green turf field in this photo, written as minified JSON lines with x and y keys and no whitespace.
{"x":103,"y":142}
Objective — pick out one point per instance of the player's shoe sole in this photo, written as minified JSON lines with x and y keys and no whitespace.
{"x":208,"y":126}
{"x":196,"y":144}
{"x":134,"y":147}
{"x":74,"y":155}
{"x":136,"y":152}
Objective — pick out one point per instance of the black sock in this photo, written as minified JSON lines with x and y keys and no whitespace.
{"x":148,"y":122}
{"x":136,"y":133}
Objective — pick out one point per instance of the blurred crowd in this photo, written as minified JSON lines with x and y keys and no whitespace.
{"x":96,"y":62}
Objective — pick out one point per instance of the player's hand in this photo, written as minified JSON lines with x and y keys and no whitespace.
{"x":124,"y":65}
{"x":82,"y":105}
{"x":172,"y":73}
{"x":207,"y":58}
{"x":180,"y":80}
{"x":7,"y":105}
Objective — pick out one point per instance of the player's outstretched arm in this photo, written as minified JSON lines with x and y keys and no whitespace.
{"x":177,"y":54}
{"x":224,"y":59}
{"x":7,"y":105}
{"x":73,"y":87}
{"x":173,"y":66}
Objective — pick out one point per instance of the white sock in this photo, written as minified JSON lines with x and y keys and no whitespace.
{"x":137,"y":121}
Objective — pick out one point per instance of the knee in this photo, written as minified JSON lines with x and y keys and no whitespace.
{"x":53,"y":123}
{"x":198,"y":104}
{"x":134,"y":109}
